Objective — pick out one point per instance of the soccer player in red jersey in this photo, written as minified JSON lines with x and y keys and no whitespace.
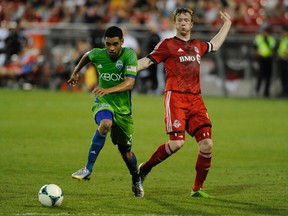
{"x":184,"y":109}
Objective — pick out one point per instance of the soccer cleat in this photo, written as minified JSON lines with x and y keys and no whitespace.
{"x":82,"y":174}
{"x":138,"y":189}
{"x":142,"y":175}
{"x":200,"y":193}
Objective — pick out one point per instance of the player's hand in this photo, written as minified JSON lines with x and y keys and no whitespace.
{"x":225,"y":17}
{"x":98,"y":91}
{"x":73,"y":79}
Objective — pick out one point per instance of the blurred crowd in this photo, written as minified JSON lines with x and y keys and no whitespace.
{"x":140,"y":12}
{"x":23,"y":54}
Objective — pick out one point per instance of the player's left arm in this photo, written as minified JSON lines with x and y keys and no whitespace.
{"x":127,"y":85}
{"x":130,"y":73}
{"x":220,"y":37}
{"x":75,"y":75}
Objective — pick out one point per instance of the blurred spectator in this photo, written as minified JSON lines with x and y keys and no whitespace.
{"x":283,"y":60}
{"x":90,"y":77}
{"x":65,"y":58}
{"x":77,"y":13}
{"x":95,"y":10}
{"x":122,"y":11}
{"x":3,"y":35}
{"x":148,"y":77}
{"x":96,"y":35}
{"x":62,"y":72}
{"x":265,"y":45}
{"x":130,"y":41}
{"x":14,"y":41}
{"x":24,"y":69}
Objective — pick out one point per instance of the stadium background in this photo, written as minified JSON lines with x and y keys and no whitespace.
{"x":49,"y":36}
{"x":44,"y":134}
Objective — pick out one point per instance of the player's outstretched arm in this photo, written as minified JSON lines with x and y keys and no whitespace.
{"x":220,"y":37}
{"x":127,"y":85}
{"x":75,"y":75}
{"x":144,"y":63}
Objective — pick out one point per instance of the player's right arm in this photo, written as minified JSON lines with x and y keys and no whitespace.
{"x":144,"y":63}
{"x":159,"y":54}
{"x":75,"y":75}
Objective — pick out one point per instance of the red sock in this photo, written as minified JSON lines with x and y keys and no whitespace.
{"x":203,"y":164}
{"x":163,"y":152}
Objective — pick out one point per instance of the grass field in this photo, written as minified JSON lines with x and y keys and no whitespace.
{"x":45,"y":135}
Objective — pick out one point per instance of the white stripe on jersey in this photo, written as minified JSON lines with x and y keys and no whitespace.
{"x":167,"y":111}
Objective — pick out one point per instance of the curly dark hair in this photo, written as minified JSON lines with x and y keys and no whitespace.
{"x":113,"y":31}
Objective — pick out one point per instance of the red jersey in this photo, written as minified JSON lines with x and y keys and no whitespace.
{"x":181,"y":62}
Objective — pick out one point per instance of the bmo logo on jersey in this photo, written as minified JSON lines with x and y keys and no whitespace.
{"x":190,"y":58}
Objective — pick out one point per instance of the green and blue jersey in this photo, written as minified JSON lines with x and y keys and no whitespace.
{"x":113,"y":72}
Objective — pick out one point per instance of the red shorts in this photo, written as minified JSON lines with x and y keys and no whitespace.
{"x":184,"y":112}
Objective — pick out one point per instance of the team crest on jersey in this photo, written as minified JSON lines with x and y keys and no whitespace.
{"x":176,"y":124}
{"x":196,"y":50}
{"x":119,"y":65}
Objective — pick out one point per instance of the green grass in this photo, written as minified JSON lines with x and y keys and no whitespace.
{"x":45,"y":135}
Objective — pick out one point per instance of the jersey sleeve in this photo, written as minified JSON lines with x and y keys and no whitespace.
{"x":206,"y":47}
{"x":131,"y":63}
{"x":160,"y":52}
{"x":92,"y":54}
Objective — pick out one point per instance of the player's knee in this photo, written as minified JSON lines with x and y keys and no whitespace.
{"x":177,"y":141}
{"x":175,"y":145}
{"x":105,"y":126}
{"x":126,"y":153}
{"x":206,"y":145}
{"x":127,"y":156}
{"x":204,"y":138}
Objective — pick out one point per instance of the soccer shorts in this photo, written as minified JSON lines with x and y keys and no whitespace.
{"x":122,"y":129}
{"x":184,"y":112}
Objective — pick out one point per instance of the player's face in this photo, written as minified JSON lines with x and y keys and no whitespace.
{"x":183,"y":22}
{"x":113,"y":46}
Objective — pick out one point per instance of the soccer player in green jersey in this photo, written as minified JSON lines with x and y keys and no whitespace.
{"x":116,"y":69}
